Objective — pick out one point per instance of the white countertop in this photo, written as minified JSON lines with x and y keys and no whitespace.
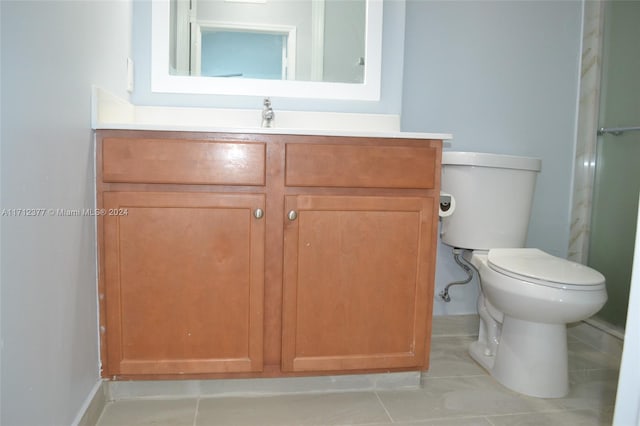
{"x":111,"y":112}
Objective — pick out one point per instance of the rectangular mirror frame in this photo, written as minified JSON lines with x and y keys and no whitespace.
{"x":163,"y":82}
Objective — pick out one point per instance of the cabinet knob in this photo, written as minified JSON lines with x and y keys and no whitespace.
{"x":258,"y":213}
{"x":292,"y":215}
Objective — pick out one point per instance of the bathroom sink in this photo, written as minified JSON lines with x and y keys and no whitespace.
{"x":112,"y":112}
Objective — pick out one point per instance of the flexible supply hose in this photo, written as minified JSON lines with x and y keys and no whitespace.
{"x":444,"y":294}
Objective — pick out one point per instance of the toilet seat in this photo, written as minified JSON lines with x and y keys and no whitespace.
{"x":540,"y":268}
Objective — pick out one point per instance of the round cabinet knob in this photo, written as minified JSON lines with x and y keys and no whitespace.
{"x":293,"y":215}
{"x":258,"y":213}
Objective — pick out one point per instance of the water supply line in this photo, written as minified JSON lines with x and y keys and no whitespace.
{"x":468,"y":268}
{"x":489,"y":327}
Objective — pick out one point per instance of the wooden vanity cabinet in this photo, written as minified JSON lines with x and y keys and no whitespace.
{"x":230,"y":255}
{"x":182,"y":271}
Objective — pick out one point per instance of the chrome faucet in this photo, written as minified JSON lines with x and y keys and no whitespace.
{"x":267,"y":113}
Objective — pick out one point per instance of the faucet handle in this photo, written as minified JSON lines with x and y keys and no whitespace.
{"x":267,"y":102}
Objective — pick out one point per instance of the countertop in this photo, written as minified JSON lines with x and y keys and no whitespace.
{"x":111,"y":112}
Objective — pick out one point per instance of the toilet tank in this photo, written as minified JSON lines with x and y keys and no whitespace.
{"x":493,"y":195}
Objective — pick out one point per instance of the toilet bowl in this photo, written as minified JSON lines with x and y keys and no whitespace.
{"x":527,"y":296}
{"x":529,"y":305}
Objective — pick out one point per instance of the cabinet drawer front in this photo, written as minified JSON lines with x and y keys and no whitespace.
{"x":182,"y":161}
{"x":360,"y":166}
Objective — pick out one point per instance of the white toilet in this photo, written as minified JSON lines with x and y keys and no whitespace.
{"x":526,"y":295}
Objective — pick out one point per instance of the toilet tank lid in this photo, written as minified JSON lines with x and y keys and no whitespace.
{"x":535,"y":263}
{"x":483,"y":159}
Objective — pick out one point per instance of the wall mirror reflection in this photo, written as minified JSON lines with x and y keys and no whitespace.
{"x":292,"y":48}
{"x":306,"y":40}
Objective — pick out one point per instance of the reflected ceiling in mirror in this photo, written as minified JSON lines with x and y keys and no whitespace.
{"x":290,"y":48}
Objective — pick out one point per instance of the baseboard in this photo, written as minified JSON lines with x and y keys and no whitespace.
{"x":92,"y":407}
{"x":119,"y":390}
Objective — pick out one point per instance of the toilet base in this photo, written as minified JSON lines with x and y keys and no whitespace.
{"x":478,"y":351}
{"x":531,"y":358}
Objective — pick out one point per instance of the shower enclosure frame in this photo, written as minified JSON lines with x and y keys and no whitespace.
{"x":593,"y":141}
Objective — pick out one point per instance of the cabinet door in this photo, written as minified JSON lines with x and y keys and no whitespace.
{"x":184,"y":277}
{"x":358,"y":279}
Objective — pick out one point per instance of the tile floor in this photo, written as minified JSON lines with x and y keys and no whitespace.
{"x":455,"y":392}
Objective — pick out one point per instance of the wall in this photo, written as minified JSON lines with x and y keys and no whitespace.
{"x":391,"y":89}
{"x":503,"y":78}
{"x":627,"y":411}
{"x":52,"y":52}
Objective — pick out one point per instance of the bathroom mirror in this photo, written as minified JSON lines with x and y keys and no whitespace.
{"x":328,"y":49}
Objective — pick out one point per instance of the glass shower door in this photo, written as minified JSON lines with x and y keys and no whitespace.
{"x":617,"y":179}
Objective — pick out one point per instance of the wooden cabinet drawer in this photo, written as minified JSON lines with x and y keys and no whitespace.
{"x":360,"y":166}
{"x":183,"y":161}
